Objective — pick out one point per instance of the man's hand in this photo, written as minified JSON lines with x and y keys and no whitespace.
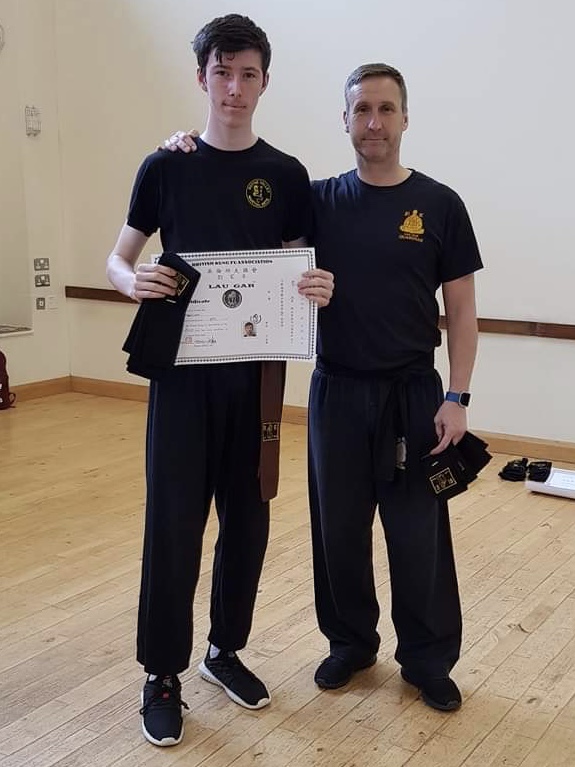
{"x":182,"y":141}
{"x":316,"y":285}
{"x":450,"y":425}
{"x":153,"y":281}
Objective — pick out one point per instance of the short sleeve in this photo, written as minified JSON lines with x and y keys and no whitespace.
{"x":460,"y":253}
{"x":298,"y":215}
{"x":144,"y":208}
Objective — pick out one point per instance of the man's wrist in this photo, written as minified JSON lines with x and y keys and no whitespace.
{"x":462,"y":398}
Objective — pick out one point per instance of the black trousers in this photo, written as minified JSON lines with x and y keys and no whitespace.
{"x":203,"y":440}
{"x":346,"y":486}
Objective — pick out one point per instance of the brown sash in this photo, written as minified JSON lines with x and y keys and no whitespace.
{"x":271,"y":401}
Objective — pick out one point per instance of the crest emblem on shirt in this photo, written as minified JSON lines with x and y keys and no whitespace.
{"x":259,"y":193}
{"x":412,"y":226}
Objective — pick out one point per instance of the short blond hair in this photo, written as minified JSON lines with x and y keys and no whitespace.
{"x":376,"y":70}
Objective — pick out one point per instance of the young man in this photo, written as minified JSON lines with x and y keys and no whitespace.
{"x":204,"y":431}
{"x":392,"y":236}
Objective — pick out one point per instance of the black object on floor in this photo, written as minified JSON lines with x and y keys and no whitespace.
{"x":515,"y":470}
{"x":539,"y":471}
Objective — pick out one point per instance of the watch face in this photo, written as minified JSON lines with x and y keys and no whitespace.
{"x":464,"y":398}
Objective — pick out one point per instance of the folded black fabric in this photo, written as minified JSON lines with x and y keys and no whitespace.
{"x":515,"y":470}
{"x":539,"y":471}
{"x":450,"y":472}
{"x":474,"y":453}
{"x":154,"y":337}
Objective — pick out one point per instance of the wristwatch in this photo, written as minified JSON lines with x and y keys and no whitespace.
{"x":461,"y":397}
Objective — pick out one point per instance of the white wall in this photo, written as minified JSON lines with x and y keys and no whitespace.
{"x":14,"y":288}
{"x":489,"y":115}
{"x":42,"y":354}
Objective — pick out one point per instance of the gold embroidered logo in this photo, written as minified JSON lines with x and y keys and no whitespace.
{"x":259,"y":193}
{"x":412,"y":227}
{"x":443,"y":480}
{"x":270,"y":431}
{"x":182,"y":283}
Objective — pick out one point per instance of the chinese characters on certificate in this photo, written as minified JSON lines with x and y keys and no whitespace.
{"x":247,"y":307}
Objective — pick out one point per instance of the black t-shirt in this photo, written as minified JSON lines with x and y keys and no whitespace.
{"x":390,"y":248}
{"x":212,"y":200}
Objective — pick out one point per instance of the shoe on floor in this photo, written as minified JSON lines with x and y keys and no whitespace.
{"x":334,"y":672}
{"x":162,"y":722}
{"x":239,"y":683}
{"x":440,"y":692}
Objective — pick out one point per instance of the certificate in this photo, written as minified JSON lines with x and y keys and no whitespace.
{"x":246,"y":306}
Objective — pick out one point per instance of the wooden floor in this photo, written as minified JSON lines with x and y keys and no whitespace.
{"x":71,"y":496}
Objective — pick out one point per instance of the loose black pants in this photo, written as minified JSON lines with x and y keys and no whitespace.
{"x":203,"y":439}
{"x":346,"y":486}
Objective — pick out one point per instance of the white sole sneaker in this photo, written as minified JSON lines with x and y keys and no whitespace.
{"x":165,"y":741}
{"x":209,"y":677}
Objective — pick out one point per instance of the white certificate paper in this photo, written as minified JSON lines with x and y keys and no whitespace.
{"x":246,"y":306}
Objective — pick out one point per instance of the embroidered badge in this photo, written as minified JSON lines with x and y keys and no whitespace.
{"x":443,"y":480}
{"x":270,"y":431}
{"x":259,"y":193}
{"x":412,"y":226}
{"x":182,"y":283}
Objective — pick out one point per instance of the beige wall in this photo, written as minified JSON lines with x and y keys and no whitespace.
{"x":15,"y":306}
{"x":112,"y":78}
{"x":42,"y":354}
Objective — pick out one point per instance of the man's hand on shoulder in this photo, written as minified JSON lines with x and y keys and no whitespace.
{"x":316,"y":285}
{"x":181,"y":141}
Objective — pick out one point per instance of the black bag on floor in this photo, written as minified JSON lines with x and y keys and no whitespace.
{"x":6,"y":396}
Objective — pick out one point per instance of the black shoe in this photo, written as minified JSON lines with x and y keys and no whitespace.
{"x":334,"y":672}
{"x":161,"y":711}
{"x":440,"y":692}
{"x":243,"y":687}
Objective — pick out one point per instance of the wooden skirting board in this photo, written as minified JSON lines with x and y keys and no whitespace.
{"x":109,"y":388}
{"x":510,"y":444}
{"x":42,"y":388}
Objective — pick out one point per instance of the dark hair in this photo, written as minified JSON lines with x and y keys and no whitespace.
{"x":230,"y":34}
{"x":376,"y":70}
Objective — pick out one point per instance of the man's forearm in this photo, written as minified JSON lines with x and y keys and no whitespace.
{"x":461,"y":348}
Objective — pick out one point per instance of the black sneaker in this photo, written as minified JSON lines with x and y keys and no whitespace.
{"x":334,"y":672}
{"x":161,"y":711}
{"x":440,"y":693}
{"x":243,"y":687}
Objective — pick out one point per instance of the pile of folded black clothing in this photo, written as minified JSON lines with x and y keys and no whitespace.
{"x":520,"y":469}
{"x":451,"y":471}
{"x":154,"y":336}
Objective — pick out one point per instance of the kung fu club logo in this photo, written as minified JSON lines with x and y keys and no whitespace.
{"x":259,"y":193}
{"x":412,"y":226}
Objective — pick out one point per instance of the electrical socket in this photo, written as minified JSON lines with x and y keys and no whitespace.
{"x":51,"y":302}
{"x":42,"y":280}
{"x":41,"y":264}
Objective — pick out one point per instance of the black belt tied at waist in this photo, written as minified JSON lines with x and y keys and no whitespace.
{"x":390,"y":435}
